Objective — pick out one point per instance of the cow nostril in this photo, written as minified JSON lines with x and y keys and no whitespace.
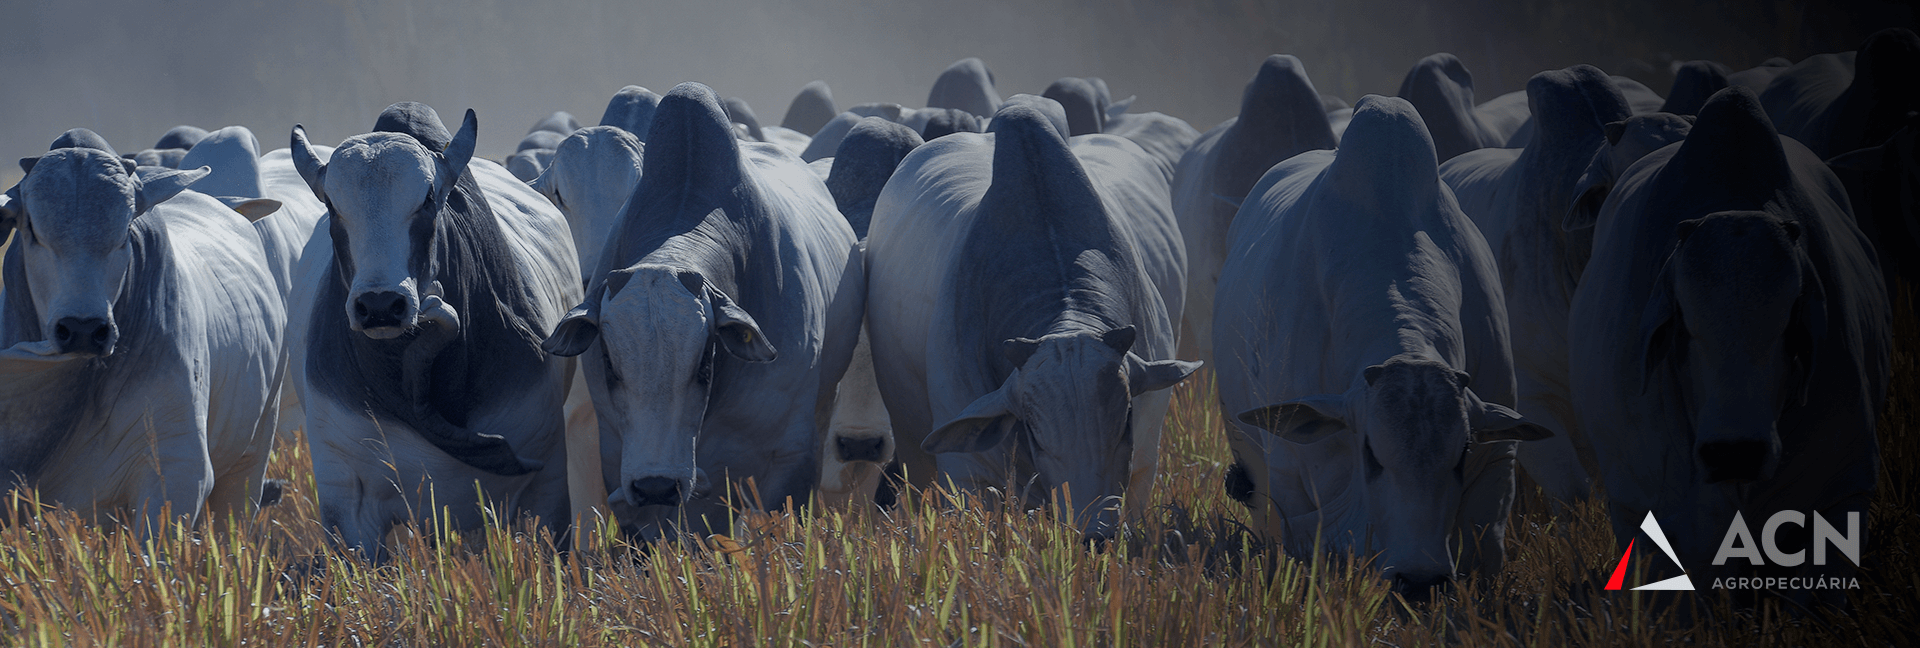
{"x":359,"y":309}
{"x":648,"y":491}
{"x":100,"y":335}
{"x":61,"y":333}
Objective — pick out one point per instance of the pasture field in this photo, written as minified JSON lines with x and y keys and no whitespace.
{"x":928,"y":574}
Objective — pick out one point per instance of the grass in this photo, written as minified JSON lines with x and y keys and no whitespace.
{"x":926,"y":574}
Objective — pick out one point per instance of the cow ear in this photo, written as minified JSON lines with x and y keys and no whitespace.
{"x":26,"y":163}
{"x":1303,"y":420}
{"x":1120,"y":339}
{"x":1590,"y":193}
{"x":459,"y":152}
{"x":1495,"y":422}
{"x":1615,"y":129}
{"x":1018,"y":350}
{"x":1806,"y":329}
{"x":979,"y":428}
{"x":576,"y":331}
{"x":309,"y":165}
{"x":1143,"y":376}
{"x":157,"y":188}
{"x":737,"y":331}
{"x":253,"y":209}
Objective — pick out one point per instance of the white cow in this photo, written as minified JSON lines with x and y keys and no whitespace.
{"x":423,"y":381}
{"x":1355,"y":309}
{"x":142,"y":342}
{"x":1019,"y":330}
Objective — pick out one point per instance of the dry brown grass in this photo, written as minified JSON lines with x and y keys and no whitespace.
{"x":936,"y":575}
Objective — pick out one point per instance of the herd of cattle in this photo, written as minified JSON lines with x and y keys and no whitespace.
{"x":1404,"y":301}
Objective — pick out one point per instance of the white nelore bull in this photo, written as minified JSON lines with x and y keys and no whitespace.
{"x":1356,"y":307}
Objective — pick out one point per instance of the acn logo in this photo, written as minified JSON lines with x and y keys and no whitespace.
{"x":1652,"y":529}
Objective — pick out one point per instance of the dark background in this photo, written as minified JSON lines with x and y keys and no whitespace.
{"x":130,"y":69}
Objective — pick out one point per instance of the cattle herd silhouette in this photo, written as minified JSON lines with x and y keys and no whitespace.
{"x":1680,"y":301}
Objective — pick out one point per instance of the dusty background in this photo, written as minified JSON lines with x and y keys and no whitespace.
{"x":130,"y":69}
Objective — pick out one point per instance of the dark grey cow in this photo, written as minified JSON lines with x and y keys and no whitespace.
{"x":141,"y":335}
{"x":725,"y":307}
{"x":1357,"y":305}
{"x":1441,"y":88}
{"x":810,"y":109}
{"x":426,"y":292}
{"x":1730,"y":343}
{"x":1082,"y":102}
{"x":1280,"y":116}
{"x":1519,"y":199}
{"x":1693,"y":83}
{"x":1018,"y":334}
{"x":740,"y":113}
{"x":1837,"y":103}
{"x":947,"y":121}
{"x":631,"y":109}
{"x":966,"y":85}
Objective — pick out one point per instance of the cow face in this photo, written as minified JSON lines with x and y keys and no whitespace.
{"x":1416,"y":422}
{"x":1073,"y":394}
{"x":384,"y":193}
{"x":661,"y":332}
{"x":76,"y":212}
{"x":1736,"y":318}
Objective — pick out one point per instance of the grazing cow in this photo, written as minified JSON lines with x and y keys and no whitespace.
{"x":421,"y":367}
{"x":1519,"y":199}
{"x":1441,"y":88}
{"x":1280,"y":116}
{"x":724,"y":309}
{"x":966,"y":85}
{"x":810,"y":109}
{"x":1015,"y":327}
{"x":859,"y":443}
{"x":1838,"y":103}
{"x":631,"y":109}
{"x":142,"y":342}
{"x":1730,"y":343}
{"x":1693,"y":82}
{"x":1355,"y":308}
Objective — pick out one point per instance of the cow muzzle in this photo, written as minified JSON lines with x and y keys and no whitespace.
{"x":383,"y":314}
{"x":1419,"y":586}
{"x":852,"y":449}
{"x":88,"y":337}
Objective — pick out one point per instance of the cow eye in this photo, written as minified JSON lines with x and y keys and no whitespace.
{"x":613,"y":377}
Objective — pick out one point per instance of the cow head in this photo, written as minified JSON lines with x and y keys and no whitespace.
{"x":589,"y":179}
{"x":75,"y":219}
{"x":1416,"y":422}
{"x":662,"y":331}
{"x":1072,"y":393}
{"x":384,"y":193}
{"x":1736,"y":318}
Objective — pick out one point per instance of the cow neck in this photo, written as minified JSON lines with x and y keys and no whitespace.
{"x":46,"y":402}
